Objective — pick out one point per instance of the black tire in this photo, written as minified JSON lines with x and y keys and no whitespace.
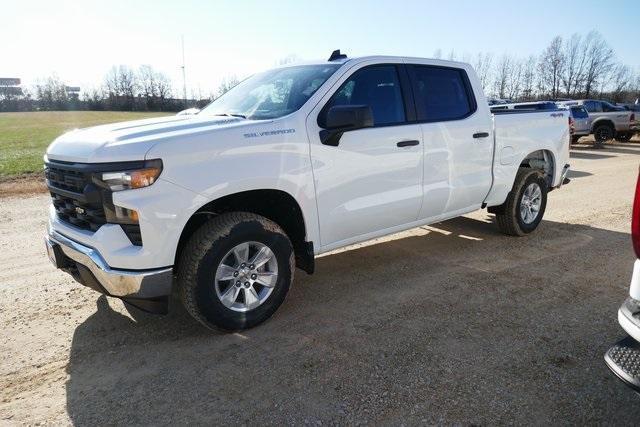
{"x":508,"y":215}
{"x":623,"y":136}
{"x":203,"y":254}
{"x":603,"y":133}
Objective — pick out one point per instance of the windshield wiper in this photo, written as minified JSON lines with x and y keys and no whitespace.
{"x":231,"y":115}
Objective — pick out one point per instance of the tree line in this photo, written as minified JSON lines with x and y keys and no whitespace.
{"x":577,"y":67}
{"x":123,"y":89}
{"x":582,"y":66}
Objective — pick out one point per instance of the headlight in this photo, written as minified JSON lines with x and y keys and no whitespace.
{"x":131,"y":179}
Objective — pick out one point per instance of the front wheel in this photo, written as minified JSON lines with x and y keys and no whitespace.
{"x":524,"y":208}
{"x":235,"y":271}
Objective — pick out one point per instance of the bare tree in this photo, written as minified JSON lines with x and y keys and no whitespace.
{"x":154,"y":86}
{"x":503,"y":70}
{"x":437,"y":54}
{"x":551,"y":67}
{"x":111,"y":82}
{"x":121,"y":85}
{"x":51,"y":94}
{"x":127,"y":81}
{"x":621,"y":80}
{"x":529,"y":78}
{"x":164,"y":88}
{"x":225,"y":85}
{"x":575,"y":61}
{"x":599,"y":61}
{"x":514,"y":80}
{"x":483,"y":68}
{"x":452,"y":55}
{"x":147,"y":81}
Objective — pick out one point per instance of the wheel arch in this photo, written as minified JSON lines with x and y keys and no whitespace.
{"x":277,"y":205}
{"x":603,"y":121}
{"x":543,"y":160}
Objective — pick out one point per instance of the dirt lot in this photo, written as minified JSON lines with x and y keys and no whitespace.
{"x":447,"y":324}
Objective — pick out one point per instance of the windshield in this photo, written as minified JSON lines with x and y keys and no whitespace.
{"x":272,"y":94}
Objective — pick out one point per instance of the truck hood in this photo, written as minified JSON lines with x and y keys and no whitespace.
{"x":131,"y":140}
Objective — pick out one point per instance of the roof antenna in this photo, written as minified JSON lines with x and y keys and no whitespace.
{"x":335,"y":55}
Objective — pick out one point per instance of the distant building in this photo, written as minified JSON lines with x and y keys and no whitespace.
{"x":9,"y":87}
{"x":73,"y":92}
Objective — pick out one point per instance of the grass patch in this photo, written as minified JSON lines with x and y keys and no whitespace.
{"x":24,"y":137}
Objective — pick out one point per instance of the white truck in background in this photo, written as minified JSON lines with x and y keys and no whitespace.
{"x":291,"y":163}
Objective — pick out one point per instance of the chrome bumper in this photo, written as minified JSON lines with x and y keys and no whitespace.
{"x":629,"y":317}
{"x":146,"y":284}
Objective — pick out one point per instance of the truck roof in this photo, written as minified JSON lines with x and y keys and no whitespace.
{"x":381,"y":58}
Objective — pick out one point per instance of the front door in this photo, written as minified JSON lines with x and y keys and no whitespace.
{"x":372,"y":180}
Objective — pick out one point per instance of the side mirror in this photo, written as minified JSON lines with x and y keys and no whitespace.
{"x":344,"y":118}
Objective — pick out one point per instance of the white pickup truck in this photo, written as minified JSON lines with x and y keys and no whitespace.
{"x":293,"y":162}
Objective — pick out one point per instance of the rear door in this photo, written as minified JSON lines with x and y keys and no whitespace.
{"x":458,"y":140}
{"x":372,"y":180}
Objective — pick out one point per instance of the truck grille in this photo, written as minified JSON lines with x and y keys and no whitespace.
{"x":79,"y":201}
{"x":69,"y":180}
{"x":78,"y":213}
{"x":76,"y":200}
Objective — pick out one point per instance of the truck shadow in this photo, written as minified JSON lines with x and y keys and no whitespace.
{"x":573,"y":154}
{"x":452,"y":323}
{"x":577,"y":174}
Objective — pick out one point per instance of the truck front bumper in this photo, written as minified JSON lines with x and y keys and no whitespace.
{"x":145,"y":289}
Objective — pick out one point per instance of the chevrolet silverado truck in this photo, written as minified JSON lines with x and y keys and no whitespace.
{"x":223,"y":205}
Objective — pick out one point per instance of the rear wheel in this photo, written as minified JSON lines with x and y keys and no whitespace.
{"x":235,"y":271}
{"x":524,"y":208}
{"x":603,"y":133}
{"x":623,"y":136}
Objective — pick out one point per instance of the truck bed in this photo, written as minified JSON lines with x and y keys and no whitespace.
{"x":522,"y":133}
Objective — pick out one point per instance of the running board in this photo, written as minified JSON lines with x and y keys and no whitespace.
{"x":624,"y":360}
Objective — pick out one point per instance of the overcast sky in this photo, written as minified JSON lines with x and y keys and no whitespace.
{"x":81,"y":40}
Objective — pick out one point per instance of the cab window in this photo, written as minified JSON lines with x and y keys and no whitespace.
{"x":376,"y":86}
{"x":441,"y":93}
{"x":593,"y":106}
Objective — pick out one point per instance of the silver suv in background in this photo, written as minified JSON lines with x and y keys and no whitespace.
{"x":607,"y":120}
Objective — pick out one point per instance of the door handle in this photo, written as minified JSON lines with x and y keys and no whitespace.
{"x":481,"y":135}
{"x":408,"y":143}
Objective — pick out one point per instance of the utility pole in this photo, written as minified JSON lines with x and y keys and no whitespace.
{"x":184,"y":75}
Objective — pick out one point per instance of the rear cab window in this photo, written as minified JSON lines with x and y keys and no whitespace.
{"x":593,"y":106}
{"x":441,"y":93}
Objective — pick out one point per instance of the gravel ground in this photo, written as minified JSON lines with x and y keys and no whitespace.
{"x":453,"y":323}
